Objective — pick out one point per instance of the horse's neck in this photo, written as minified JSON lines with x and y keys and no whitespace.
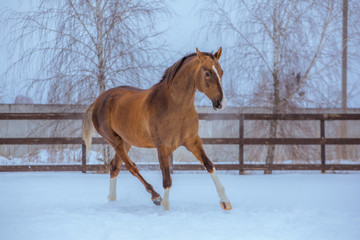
{"x":178,"y":94}
{"x":182,"y":88}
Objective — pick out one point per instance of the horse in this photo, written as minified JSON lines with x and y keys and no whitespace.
{"x":161,"y":117}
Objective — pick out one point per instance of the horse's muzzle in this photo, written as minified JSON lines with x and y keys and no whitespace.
{"x":217,"y":104}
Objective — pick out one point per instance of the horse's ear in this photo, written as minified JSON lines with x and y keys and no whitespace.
{"x":217,"y":55}
{"x":200,"y":55}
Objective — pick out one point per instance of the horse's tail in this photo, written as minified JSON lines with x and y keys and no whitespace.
{"x":88,"y":127}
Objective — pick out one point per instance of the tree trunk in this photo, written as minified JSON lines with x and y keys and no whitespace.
{"x":101,"y":66}
{"x":100,"y":47}
{"x":273,"y":124}
{"x":276,"y":97}
{"x":343,"y":126}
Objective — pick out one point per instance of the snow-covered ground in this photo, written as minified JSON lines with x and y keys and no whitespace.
{"x":74,"y":206}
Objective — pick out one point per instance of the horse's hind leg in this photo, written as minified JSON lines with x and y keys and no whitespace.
{"x":115,"y":166}
{"x":132,"y":168}
{"x":120,"y":148}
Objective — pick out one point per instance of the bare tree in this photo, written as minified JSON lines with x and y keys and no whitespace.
{"x":70,"y":51}
{"x":353,"y":53}
{"x":281,"y":54}
{"x":79,"y":48}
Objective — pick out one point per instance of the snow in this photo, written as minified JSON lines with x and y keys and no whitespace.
{"x":74,"y":206}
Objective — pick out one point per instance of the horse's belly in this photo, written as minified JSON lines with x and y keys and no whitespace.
{"x":137,"y":141}
{"x":134,"y":132}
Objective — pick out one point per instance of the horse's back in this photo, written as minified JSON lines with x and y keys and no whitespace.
{"x":127,"y":87}
{"x":117,"y":93}
{"x":122,"y":98}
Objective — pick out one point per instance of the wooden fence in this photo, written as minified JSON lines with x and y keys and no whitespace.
{"x":240,"y":141}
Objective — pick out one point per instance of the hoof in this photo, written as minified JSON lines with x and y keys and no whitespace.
{"x":165,"y":205}
{"x":226,"y":205}
{"x":112,"y":198}
{"x":157,"y":201}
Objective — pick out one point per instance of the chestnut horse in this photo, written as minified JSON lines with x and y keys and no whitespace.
{"x":162,"y":117}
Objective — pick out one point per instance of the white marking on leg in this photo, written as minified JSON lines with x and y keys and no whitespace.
{"x":219,"y":187}
{"x":165,"y":201}
{"x":112,"y":193}
{"x":223,"y":100}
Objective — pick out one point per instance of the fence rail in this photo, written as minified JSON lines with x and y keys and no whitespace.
{"x":241,"y":141}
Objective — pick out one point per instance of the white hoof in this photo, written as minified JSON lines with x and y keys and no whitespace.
{"x":226,"y":205}
{"x":165,"y":205}
{"x":112,"y":197}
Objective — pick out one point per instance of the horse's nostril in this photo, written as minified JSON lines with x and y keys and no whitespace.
{"x":218,"y":104}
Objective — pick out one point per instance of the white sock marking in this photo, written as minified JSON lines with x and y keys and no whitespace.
{"x":219,"y":187}
{"x":165,"y":202}
{"x":112,"y":193}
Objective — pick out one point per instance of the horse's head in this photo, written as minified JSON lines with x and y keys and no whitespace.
{"x":209,"y":77}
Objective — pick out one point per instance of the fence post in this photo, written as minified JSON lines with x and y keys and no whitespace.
{"x":241,"y":145}
{"x":83,"y":148}
{"x":322,"y":136}
{"x":172,"y":163}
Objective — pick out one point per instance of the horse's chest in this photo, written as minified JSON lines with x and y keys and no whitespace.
{"x":174,"y":131}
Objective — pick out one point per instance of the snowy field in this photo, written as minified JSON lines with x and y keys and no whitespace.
{"x":284,"y":206}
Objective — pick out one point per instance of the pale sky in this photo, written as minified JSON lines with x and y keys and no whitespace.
{"x":182,"y":36}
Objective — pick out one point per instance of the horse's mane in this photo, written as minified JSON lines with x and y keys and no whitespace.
{"x":170,"y":73}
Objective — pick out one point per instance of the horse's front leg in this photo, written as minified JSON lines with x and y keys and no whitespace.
{"x":194,"y":145}
{"x":164,"y":160}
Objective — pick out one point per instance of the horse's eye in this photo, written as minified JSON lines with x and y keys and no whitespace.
{"x":207,"y":74}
